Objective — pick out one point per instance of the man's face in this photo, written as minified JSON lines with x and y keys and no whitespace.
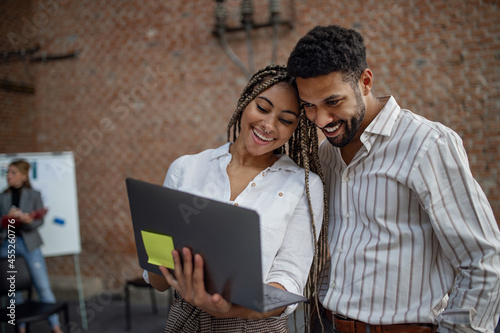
{"x":334,"y":106}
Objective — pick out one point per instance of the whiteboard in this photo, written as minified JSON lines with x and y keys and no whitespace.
{"x":52,"y":174}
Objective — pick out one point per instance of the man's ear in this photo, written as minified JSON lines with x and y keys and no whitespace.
{"x":366,"y":81}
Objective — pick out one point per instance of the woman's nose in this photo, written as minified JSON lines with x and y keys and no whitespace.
{"x":269,"y":124}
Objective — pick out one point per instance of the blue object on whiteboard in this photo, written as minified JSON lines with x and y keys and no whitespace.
{"x":59,"y":220}
{"x":33,"y":167}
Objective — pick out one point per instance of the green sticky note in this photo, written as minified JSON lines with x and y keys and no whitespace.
{"x":159,"y":248}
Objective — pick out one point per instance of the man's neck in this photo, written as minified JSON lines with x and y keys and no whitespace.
{"x":373,"y":107}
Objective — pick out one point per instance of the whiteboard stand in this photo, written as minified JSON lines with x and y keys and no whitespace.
{"x":81,"y":298}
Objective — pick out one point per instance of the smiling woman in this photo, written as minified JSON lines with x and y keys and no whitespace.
{"x":285,"y":115}
{"x":271,"y":166}
{"x":269,"y":121}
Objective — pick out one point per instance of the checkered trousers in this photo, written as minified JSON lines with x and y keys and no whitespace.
{"x":185,"y":318}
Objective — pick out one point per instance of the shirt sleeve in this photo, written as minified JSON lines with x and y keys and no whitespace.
{"x":174,"y":174}
{"x":465,"y":226}
{"x":292,"y":263}
{"x":37,"y":204}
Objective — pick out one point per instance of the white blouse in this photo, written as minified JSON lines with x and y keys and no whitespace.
{"x":278,"y":195}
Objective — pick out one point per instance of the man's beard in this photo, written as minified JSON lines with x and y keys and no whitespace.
{"x":351,"y":127}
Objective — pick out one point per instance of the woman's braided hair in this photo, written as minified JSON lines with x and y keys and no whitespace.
{"x":302,"y":148}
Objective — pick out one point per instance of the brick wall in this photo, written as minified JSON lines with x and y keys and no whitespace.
{"x":151,"y":83}
{"x":17,"y":108}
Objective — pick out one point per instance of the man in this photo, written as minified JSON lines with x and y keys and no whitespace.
{"x":414,"y":245}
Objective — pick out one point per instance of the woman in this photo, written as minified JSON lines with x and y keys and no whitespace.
{"x":21,"y":202}
{"x":253,"y":172}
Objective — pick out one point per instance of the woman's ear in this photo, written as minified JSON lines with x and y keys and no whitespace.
{"x":366,"y":81}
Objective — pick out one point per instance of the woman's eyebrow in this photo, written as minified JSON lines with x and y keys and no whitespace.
{"x":271,"y":103}
{"x":291,"y":112}
{"x":267,"y":100}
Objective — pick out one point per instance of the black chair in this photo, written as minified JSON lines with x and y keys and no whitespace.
{"x":30,"y":310}
{"x":139,"y":283}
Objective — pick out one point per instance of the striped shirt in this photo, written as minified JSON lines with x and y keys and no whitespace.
{"x":413,"y":238}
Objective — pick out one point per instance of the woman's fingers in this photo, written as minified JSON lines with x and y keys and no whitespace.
{"x":215,"y":303}
{"x":177,"y":264}
{"x":187,"y":264}
{"x":183,"y":270}
{"x":14,"y":211}
{"x":169,"y":277}
{"x":198,"y":280}
{"x":26,"y":218}
{"x":189,"y":282}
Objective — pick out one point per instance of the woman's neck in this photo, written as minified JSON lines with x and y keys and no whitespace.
{"x":241,"y":157}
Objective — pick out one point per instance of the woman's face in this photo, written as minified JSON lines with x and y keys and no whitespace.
{"x":15,"y":178}
{"x":269,"y":121}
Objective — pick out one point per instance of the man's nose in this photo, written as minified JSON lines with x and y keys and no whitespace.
{"x":319,"y":116}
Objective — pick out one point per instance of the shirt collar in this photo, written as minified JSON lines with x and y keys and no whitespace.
{"x":386,"y":118}
{"x":284,"y":162}
{"x":221,"y":151}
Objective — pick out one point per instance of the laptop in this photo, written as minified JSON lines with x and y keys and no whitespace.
{"x":228,"y":238}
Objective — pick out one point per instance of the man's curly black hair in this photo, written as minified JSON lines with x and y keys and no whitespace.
{"x":327,"y":49}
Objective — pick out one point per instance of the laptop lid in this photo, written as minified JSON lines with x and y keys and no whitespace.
{"x":228,"y":238}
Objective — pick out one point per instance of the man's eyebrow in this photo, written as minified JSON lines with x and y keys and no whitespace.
{"x":333,"y":96}
{"x":264,"y":98}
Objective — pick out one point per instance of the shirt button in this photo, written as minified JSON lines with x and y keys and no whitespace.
{"x":346,"y":215}
{"x":345,"y":179}
{"x":332,"y":284}
{"x":236,"y":204}
{"x":264,"y":173}
{"x":280,"y":194}
{"x":253,"y":184}
{"x":340,"y":250}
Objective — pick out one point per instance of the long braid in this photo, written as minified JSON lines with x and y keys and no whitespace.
{"x":309,"y":152}
{"x":302,"y":148}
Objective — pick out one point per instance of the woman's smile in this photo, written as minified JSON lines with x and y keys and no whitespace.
{"x":261,"y":136}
